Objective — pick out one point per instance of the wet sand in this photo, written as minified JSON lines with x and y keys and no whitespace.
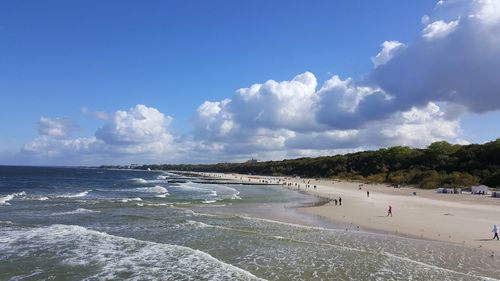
{"x":456,"y":218}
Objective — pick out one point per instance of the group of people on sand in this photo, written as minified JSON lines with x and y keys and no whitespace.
{"x":335,"y":201}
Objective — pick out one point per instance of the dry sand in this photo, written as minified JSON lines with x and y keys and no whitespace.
{"x":456,"y":218}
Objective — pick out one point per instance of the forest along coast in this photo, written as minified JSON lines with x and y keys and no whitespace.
{"x":439,"y":165}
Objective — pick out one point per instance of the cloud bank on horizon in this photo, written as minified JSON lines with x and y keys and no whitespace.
{"x":415,"y":94}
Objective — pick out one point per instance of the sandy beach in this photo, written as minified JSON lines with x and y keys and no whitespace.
{"x":456,"y":218}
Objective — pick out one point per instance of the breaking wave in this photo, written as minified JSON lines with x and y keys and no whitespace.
{"x":75,"y":195}
{"x":77,"y":211}
{"x":113,"y":257}
{"x":4,"y":200}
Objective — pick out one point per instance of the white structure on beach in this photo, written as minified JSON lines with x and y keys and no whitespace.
{"x":449,"y":190}
{"x":478,"y":189}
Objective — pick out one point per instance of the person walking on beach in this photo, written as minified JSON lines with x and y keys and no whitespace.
{"x":389,"y":212}
{"x":495,"y":231}
{"x":368,"y":194}
{"x":340,"y":201}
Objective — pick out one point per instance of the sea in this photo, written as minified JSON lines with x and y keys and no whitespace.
{"x":102,"y":224}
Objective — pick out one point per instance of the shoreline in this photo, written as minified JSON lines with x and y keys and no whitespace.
{"x":459,"y":219}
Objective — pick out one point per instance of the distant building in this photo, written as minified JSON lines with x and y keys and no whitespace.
{"x":252,"y":161}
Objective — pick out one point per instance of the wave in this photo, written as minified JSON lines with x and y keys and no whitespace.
{"x":219,"y":191}
{"x":139,"y":180}
{"x":75,"y":195}
{"x":4,"y":200}
{"x":113,"y":257}
{"x":125,"y":200}
{"x":153,"y":189}
{"x":236,"y":196}
{"x":155,"y":204}
{"x":191,"y":186}
{"x":77,"y":211}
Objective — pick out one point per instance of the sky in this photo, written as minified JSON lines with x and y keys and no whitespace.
{"x":119,"y":82}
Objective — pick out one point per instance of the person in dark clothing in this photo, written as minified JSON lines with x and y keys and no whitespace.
{"x":368,"y":194}
{"x":389,"y":212}
{"x":340,"y":201}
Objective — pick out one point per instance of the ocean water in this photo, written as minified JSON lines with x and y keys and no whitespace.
{"x":94,"y":224}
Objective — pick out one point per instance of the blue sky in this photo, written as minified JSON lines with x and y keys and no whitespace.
{"x":58,"y":57}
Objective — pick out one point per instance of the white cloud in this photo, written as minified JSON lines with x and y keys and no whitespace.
{"x":488,"y":11}
{"x":341,"y":117}
{"x":140,"y":131}
{"x":389,"y":50}
{"x":212,"y":120}
{"x":138,"y":125}
{"x":417,"y":128}
{"x":439,"y":29}
{"x":342,"y":104}
{"x":54,"y":127}
{"x":285,"y":104}
{"x":53,"y":147}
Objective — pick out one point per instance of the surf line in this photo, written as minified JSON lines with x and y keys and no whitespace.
{"x":389,"y":255}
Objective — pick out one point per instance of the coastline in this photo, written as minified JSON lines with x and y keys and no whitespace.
{"x":460,"y":219}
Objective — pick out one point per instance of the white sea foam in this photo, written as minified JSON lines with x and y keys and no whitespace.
{"x":4,"y":200}
{"x":28,"y":275}
{"x":75,"y":195}
{"x":75,"y":212}
{"x":236,"y":196}
{"x":153,"y":189}
{"x":125,"y":200}
{"x":117,"y":256}
{"x":423,"y":265}
{"x":155,"y":204}
{"x":191,"y":186}
{"x":292,"y":224}
{"x":198,"y":224}
{"x":211,"y":190}
{"x":40,"y":198}
{"x":139,"y":180}
{"x":209,"y":201}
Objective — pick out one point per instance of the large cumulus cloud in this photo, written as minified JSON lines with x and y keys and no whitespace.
{"x":337,"y":118}
{"x":456,"y":59}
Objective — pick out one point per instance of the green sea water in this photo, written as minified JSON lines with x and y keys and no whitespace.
{"x":91,"y":224}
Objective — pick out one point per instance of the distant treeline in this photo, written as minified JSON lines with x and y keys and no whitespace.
{"x":439,"y":165}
